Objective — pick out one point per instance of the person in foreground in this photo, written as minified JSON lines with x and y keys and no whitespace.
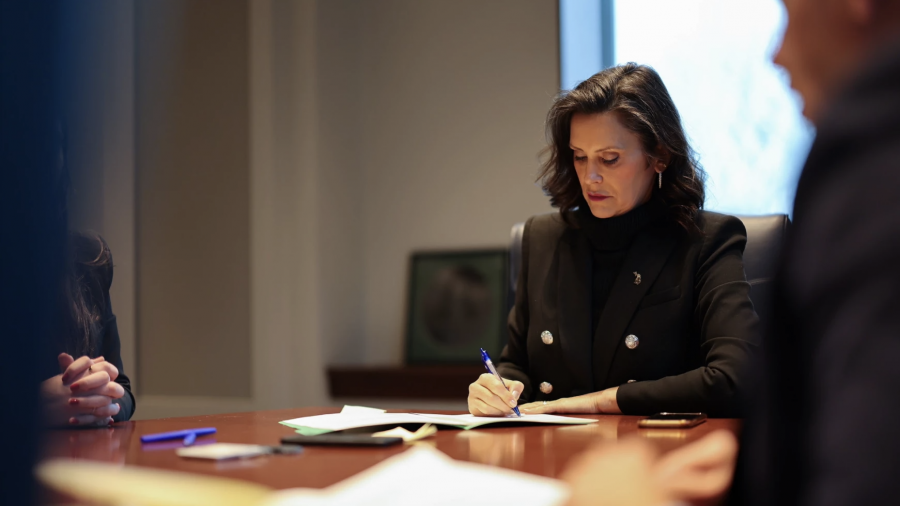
{"x":630,"y":299}
{"x":91,"y":390}
{"x":824,"y":430}
{"x":634,"y":473}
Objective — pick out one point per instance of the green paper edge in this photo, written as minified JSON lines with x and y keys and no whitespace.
{"x":306,"y":431}
{"x":309,"y":431}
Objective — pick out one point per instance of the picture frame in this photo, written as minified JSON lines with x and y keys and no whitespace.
{"x":457,"y":303}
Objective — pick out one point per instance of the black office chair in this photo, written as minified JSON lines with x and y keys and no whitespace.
{"x":765,"y":235}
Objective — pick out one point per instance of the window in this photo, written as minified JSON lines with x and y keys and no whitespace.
{"x":738,"y":110}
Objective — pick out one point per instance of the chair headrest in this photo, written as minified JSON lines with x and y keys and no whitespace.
{"x":765,"y":236}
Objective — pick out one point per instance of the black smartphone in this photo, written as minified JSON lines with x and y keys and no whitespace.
{"x":341,"y":440}
{"x":673,"y":420}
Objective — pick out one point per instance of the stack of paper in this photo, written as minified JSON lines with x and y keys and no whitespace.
{"x":424,"y":476}
{"x":367,"y":417}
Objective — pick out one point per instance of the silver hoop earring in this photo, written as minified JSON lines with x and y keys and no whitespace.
{"x":660,"y":180}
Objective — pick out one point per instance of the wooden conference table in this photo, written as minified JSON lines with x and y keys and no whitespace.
{"x":543,"y":450}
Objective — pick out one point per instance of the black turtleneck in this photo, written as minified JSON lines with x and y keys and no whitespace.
{"x":609,"y":239}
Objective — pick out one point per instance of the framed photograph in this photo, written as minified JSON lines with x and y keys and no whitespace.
{"x":457,"y":304}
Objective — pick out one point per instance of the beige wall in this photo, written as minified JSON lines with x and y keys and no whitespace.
{"x":290,"y":156}
{"x":286,"y":306}
{"x":339,"y":113}
{"x":455,"y":93}
{"x":193,"y":233}
{"x":422,"y":132}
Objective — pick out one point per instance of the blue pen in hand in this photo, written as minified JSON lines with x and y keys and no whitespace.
{"x":486,"y":359}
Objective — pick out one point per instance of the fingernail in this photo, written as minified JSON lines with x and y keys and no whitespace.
{"x":76,"y":387}
{"x":516,"y":395}
{"x":512,"y":403}
{"x":118,"y":408}
{"x":73,"y":421}
{"x":73,"y":401}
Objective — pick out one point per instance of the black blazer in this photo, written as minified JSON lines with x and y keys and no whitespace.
{"x":96,"y":281}
{"x":691,"y":313}
{"x":824,"y":430}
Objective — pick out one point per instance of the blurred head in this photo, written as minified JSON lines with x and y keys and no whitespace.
{"x":826,"y":40}
{"x":611,"y":137}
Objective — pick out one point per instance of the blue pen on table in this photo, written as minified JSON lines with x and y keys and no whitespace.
{"x":486,"y":359}
{"x":189,"y":435}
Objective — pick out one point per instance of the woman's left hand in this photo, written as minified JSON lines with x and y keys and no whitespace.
{"x":90,"y":388}
{"x":596,"y":402}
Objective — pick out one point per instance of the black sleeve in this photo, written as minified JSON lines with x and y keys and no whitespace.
{"x":513,"y":363}
{"x":110,"y":348}
{"x":727,"y":328}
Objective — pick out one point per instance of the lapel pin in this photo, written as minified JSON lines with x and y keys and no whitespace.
{"x":637,"y":278}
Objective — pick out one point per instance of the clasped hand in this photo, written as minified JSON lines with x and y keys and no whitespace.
{"x":488,"y":397}
{"x":83,"y":394}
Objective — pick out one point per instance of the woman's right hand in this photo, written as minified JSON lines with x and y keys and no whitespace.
{"x":488,"y":397}
{"x":83,"y":394}
{"x":75,"y":372}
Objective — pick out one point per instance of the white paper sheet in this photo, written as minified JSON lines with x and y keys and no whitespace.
{"x":360,"y":410}
{"x":355,"y":419}
{"x":472,"y":421}
{"x":223,"y":451}
{"x":424,"y":476}
{"x":343,"y":421}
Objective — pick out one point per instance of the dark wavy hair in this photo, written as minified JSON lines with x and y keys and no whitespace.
{"x":637,"y":96}
{"x":88,"y":261}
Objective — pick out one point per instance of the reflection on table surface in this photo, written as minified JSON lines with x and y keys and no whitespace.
{"x":106,"y":444}
{"x":539,"y":449}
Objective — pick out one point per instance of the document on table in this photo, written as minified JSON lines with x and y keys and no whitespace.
{"x":471,"y":421}
{"x":423,"y":475}
{"x":355,"y":418}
